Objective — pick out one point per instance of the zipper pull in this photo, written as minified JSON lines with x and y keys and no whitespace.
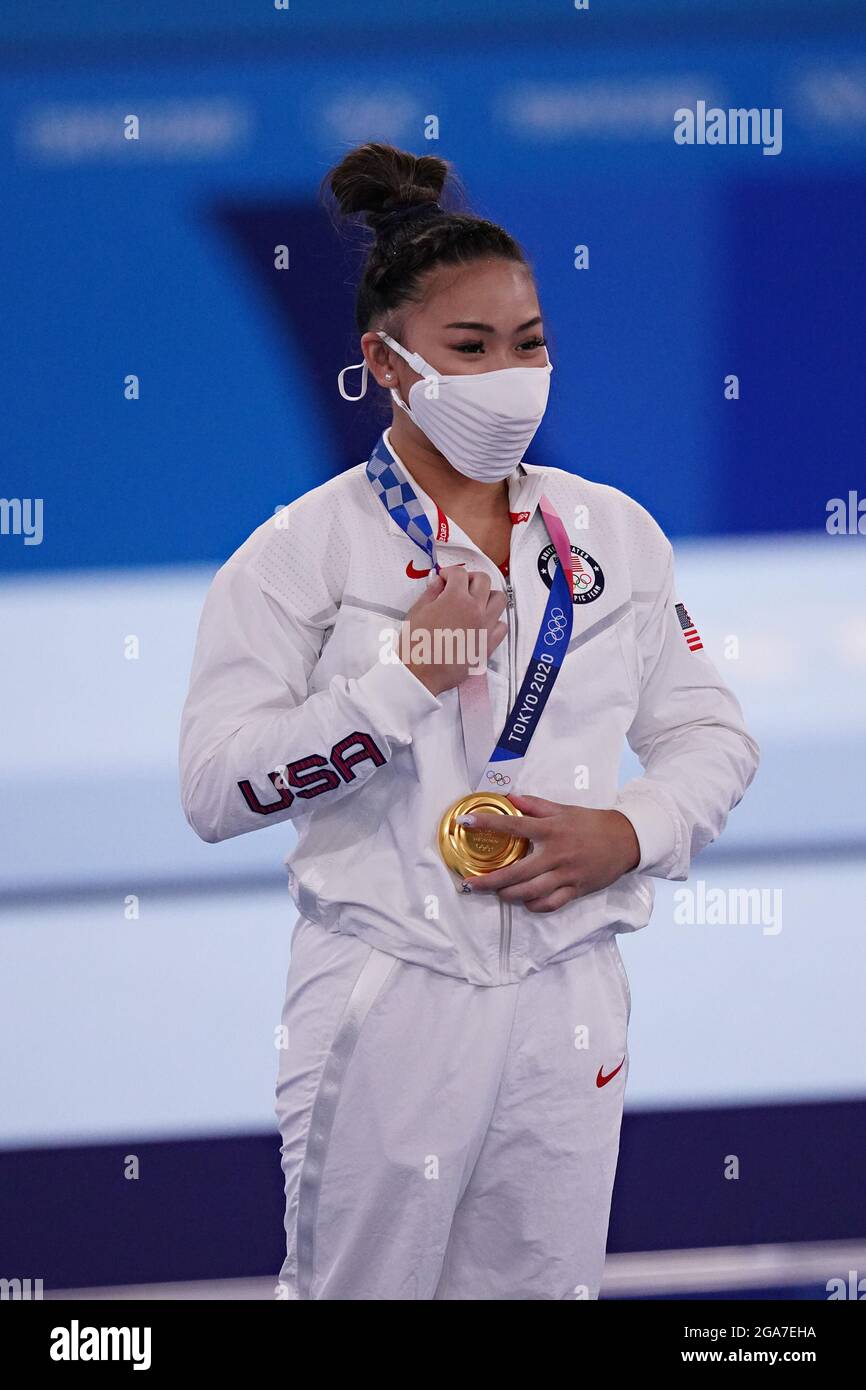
{"x":510,"y":592}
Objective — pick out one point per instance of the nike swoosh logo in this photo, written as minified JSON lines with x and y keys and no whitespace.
{"x":602,"y":1080}
{"x":416,"y":574}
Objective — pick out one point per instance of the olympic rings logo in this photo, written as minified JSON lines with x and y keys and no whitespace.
{"x":499,"y":778}
{"x":556,"y":625}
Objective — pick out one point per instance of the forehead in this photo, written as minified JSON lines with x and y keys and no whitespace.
{"x":501,"y":293}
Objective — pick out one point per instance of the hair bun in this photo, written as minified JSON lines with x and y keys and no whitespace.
{"x":398,"y":196}
{"x":405,"y":212}
{"x":375,"y":180}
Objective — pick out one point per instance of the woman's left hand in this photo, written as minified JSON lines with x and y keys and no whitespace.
{"x":574,"y":851}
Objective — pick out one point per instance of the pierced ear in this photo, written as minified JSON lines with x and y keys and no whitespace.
{"x":377,"y":354}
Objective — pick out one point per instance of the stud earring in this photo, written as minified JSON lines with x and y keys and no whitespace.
{"x":387,"y":376}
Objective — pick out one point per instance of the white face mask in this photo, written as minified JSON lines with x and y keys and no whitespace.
{"x":481,"y":421}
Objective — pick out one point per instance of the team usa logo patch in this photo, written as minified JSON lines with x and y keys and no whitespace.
{"x":690,"y":632}
{"x":588,"y":580}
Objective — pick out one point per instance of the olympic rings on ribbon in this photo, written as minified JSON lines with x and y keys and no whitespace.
{"x":556,"y":624}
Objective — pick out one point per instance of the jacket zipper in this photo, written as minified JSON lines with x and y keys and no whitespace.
{"x":505,"y":908}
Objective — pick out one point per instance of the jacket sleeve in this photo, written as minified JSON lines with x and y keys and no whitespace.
{"x":256,"y":747}
{"x":689,"y":735}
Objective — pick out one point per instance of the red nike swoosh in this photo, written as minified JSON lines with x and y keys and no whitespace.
{"x":415,"y":574}
{"x":602,"y":1080}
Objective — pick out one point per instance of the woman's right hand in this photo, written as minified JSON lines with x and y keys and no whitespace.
{"x":453,"y":628}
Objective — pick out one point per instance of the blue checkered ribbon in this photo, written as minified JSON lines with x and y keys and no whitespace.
{"x":397,"y":495}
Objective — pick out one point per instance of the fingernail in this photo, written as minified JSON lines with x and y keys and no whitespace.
{"x":465,"y":820}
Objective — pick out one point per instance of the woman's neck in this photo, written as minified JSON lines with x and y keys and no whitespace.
{"x":457,"y":495}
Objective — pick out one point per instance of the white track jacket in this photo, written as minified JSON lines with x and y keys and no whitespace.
{"x":295,"y":713}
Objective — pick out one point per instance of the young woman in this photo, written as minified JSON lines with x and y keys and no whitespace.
{"x":430,"y":665}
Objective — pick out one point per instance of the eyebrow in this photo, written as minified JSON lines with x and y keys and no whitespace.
{"x":488,"y":328}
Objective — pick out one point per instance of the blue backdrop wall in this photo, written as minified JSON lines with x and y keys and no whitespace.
{"x":155,"y":257}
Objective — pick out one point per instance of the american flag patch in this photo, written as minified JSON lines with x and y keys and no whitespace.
{"x":690,"y":632}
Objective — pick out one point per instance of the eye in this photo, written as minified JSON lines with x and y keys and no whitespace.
{"x":469,"y":347}
{"x":531,"y":344}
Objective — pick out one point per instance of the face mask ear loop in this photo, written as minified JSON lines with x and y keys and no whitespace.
{"x":415,"y":360}
{"x":364,"y":372}
{"x":396,"y":398}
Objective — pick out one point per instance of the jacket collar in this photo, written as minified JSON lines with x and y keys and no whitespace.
{"x":525,"y":486}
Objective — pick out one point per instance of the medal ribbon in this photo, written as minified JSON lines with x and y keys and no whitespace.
{"x":397,"y":495}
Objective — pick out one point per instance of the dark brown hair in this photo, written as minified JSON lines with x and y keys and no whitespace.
{"x":396,"y":196}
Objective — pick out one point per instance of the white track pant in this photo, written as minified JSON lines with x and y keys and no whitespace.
{"x":443,"y":1140}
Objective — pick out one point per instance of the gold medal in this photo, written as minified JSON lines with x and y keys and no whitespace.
{"x":471,"y":852}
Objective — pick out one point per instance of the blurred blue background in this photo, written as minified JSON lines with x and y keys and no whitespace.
{"x":155,"y":258}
